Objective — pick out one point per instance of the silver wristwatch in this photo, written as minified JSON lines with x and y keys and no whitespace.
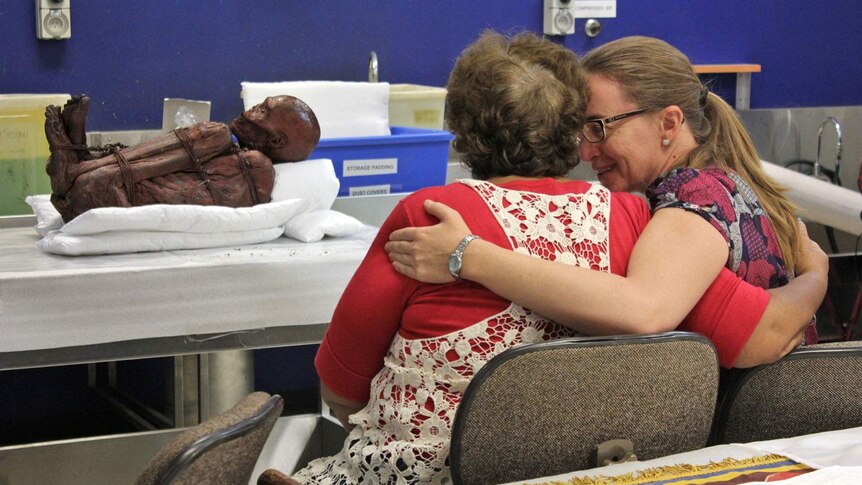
{"x":455,"y":258}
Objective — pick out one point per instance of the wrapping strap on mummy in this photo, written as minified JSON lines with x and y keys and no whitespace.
{"x":188,"y":145}
{"x":126,"y":173}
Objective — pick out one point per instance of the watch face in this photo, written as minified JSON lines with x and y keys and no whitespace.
{"x":454,"y":265}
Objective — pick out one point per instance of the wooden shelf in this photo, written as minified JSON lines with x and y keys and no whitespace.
{"x":726,"y":68}
{"x":743,"y":79}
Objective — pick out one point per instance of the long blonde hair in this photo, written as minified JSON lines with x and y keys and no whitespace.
{"x":655,"y":75}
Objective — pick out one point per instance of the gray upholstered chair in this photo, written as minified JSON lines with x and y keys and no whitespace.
{"x":221,"y":450}
{"x":543,"y":409}
{"x":812,"y":389}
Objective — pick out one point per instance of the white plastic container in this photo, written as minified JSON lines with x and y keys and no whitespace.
{"x":417,"y":106}
{"x":23,"y":149}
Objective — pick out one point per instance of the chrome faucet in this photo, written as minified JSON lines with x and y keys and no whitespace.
{"x":372,"y":67}
{"x":838,"y":148}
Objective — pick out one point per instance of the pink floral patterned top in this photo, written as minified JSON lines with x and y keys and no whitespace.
{"x":729,"y":204}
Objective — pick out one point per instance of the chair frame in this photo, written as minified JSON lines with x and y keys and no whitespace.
{"x":512,"y":353}
{"x":725,"y":402}
{"x":197,"y":448}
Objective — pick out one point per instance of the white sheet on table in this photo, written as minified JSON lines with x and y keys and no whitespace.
{"x":830,"y":448}
{"x":699,"y":457}
{"x":837,"y":453}
{"x":118,"y":242}
{"x":51,"y":301}
{"x":343,"y":109}
{"x":833,"y":475}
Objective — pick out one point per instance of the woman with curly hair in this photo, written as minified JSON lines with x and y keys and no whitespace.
{"x":398,"y":353}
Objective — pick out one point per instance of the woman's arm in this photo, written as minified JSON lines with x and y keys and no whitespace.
{"x":423,"y":253}
{"x":365,"y":321}
{"x":674,"y":261}
{"x":341,"y":407}
{"x":790,"y":309}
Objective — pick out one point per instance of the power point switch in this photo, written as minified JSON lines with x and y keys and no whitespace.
{"x":559,"y":17}
{"x":53,"y":21}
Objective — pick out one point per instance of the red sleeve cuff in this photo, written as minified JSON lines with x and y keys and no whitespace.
{"x":337,"y":377}
{"x":736,"y":326}
{"x":727,"y":314}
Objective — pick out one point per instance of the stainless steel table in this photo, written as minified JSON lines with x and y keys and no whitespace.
{"x":214,"y":304}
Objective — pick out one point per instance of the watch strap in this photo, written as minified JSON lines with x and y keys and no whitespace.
{"x":458,"y":254}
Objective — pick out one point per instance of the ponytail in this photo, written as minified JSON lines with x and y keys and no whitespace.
{"x":727,"y":144}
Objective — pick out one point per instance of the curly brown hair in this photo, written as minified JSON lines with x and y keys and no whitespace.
{"x":516,"y":106}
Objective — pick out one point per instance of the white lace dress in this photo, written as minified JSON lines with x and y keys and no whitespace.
{"x":402,"y":434}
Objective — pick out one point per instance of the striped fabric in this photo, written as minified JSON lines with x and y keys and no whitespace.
{"x":726,"y":472}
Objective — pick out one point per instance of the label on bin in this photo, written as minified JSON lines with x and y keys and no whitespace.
{"x":14,"y":140}
{"x":370,"y":190}
{"x":370,"y":166}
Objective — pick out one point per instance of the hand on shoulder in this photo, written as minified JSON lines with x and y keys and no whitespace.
{"x":422,"y":253}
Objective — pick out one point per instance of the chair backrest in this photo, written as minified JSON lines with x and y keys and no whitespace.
{"x":812,"y":389}
{"x":542,"y":409}
{"x":223,"y":449}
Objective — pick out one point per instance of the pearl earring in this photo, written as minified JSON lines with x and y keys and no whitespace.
{"x":665,"y":142}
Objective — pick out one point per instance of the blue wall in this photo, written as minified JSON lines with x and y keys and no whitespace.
{"x":129,"y":56}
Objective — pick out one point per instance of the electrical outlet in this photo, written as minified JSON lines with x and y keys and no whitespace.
{"x":559,"y":17}
{"x":53,"y":20}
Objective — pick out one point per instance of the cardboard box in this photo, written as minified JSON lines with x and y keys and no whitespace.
{"x":407,"y":160}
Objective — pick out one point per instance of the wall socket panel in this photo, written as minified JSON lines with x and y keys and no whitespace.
{"x":53,"y":19}
{"x":559,"y":17}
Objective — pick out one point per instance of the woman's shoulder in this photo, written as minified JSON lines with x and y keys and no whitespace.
{"x":463,"y":191}
{"x":450,"y":194}
{"x":691,"y":184}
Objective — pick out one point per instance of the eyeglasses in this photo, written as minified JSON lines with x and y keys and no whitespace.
{"x":594,"y":130}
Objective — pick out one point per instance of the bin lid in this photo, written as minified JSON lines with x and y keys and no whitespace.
{"x":400,"y":134}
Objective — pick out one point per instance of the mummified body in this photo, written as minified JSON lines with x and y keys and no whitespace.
{"x":195,"y":165}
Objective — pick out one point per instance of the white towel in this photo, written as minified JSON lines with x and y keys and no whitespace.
{"x":209,"y":219}
{"x":311,"y":227}
{"x":343,"y":109}
{"x":305,"y":189}
{"x":116,"y":242}
{"x":312,"y":181}
{"x":315,"y":183}
{"x":47,"y":217}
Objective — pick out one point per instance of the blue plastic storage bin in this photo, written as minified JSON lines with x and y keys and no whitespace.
{"x":407,"y":160}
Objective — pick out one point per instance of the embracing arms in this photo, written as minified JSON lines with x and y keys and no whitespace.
{"x":790,"y":309}
{"x":665,"y":275}
{"x":674,"y":262}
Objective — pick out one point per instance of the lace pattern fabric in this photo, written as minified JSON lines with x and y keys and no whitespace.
{"x":402,"y":434}
{"x":570,"y":229}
